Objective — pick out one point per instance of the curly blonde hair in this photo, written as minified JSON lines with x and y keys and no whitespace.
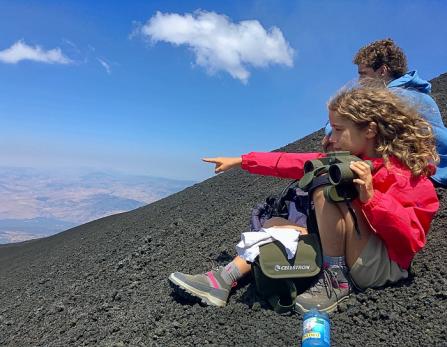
{"x":383,"y":52}
{"x":401,"y":131}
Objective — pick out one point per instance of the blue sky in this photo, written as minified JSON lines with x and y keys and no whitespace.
{"x":113,"y":85}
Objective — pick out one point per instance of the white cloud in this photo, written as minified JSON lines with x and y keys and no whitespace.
{"x":105,"y":65}
{"x":21,"y":51}
{"x":219,"y":44}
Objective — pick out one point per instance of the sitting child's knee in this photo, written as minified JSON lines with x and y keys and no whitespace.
{"x":275,"y":221}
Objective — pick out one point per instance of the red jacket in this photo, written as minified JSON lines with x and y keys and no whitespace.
{"x":400,"y":211}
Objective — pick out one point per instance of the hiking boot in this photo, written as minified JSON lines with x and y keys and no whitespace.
{"x":208,"y":287}
{"x":325,"y":294}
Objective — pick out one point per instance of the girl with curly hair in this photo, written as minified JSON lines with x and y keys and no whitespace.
{"x":394,"y":209}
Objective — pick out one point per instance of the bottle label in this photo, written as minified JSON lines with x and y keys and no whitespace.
{"x":316,"y":328}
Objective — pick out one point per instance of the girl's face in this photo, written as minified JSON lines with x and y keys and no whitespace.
{"x":347,"y":137}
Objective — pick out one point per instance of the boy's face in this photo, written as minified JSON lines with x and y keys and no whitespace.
{"x":366,"y":71}
{"x":347,"y":137}
{"x":382,"y":73}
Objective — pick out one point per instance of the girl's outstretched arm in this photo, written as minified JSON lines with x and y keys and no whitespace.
{"x":224,"y":163}
{"x":278,"y":164}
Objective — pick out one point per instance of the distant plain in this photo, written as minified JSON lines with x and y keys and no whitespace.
{"x":36,"y":203}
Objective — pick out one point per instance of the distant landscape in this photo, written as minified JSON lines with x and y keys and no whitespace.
{"x":37,"y":203}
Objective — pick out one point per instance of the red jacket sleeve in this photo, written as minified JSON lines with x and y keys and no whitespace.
{"x":278,"y":164}
{"x":401,"y":213}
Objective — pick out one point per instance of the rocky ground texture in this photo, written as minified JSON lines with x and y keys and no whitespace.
{"x":105,"y":283}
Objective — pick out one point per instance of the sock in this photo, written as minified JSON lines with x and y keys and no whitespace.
{"x":331,"y":261}
{"x":230,"y":273}
{"x":225,"y":277}
{"x":339,"y":267}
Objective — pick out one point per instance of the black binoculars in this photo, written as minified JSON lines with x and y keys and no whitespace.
{"x":334,"y":172}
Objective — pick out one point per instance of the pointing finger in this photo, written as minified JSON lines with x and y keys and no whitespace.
{"x":209,"y":160}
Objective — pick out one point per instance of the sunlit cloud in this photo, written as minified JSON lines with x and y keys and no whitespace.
{"x":218,"y":43}
{"x":21,"y":51}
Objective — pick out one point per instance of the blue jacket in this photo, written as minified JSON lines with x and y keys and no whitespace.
{"x":417,"y":91}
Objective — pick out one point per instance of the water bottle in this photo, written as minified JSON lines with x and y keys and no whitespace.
{"x":316,"y":329}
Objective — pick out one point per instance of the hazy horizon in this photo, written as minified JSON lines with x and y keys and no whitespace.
{"x":37,"y":203}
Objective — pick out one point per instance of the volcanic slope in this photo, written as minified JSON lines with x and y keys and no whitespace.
{"x":105,"y":283}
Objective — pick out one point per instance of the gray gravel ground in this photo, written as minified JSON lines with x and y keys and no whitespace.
{"x":105,"y":283}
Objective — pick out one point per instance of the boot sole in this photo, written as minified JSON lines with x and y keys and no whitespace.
{"x":205,"y":297}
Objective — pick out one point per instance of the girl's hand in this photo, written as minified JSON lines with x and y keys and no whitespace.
{"x":224,"y":163}
{"x":364,"y":181}
{"x":326,"y":144}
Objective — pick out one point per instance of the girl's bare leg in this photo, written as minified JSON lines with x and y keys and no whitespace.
{"x":341,"y":248}
{"x":337,"y":231}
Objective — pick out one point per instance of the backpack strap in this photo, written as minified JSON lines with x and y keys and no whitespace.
{"x":312,"y":225}
{"x":281,"y":204}
{"x":288,"y":304}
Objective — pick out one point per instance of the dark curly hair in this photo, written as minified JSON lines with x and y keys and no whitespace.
{"x":383,"y":52}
